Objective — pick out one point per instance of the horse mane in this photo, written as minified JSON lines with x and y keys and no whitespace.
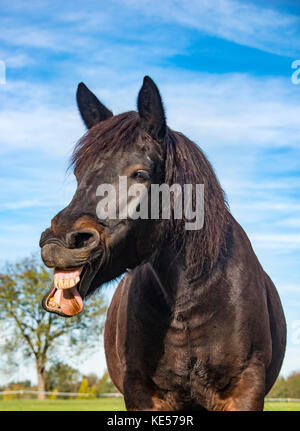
{"x":185,"y":163}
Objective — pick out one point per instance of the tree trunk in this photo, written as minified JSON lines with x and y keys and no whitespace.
{"x":41,"y":381}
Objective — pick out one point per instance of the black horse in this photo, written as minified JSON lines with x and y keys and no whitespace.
{"x":195,"y":322}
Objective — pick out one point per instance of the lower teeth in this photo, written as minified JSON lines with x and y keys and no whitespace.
{"x":52,"y":303}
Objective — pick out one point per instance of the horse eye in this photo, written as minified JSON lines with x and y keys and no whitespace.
{"x":141,"y":176}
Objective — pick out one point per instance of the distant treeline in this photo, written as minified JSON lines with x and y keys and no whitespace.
{"x":286,"y":388}
{"x":62,"y":378}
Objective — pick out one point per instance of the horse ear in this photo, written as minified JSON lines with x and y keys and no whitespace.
{"x":151,"y":109}
{"x":91,"y":109}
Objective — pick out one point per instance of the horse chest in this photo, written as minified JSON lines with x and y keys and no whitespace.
{"x":178,"y":351}
{"x":184,"y":353}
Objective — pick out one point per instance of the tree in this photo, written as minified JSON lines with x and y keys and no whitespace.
{"x":92,"y":379}
{"x":286,"y":388}
{"x":35,"y":334}
{"x":293,"y":385}
{"x":63,"y":378}
{"x":105,"y":385}
{"x":85,"y":389}
{"x":279,"y":390}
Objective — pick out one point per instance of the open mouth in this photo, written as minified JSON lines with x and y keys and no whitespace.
{"x":64,"y":297}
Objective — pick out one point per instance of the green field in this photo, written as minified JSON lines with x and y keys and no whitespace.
{"x":278,"y":406}
{"x":102,"y":404}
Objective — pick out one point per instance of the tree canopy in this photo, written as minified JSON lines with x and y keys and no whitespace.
{"x":30,"y":333}
{"x":286,"y":387}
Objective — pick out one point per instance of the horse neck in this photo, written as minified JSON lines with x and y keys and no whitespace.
{"x":171,"y":273}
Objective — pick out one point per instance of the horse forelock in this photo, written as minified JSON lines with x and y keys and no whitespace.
{"x":106,"y":137}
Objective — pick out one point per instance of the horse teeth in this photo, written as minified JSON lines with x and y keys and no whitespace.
{"x":74,"y":281}
{"x":66,"y":283}
{"x":69,"y":282}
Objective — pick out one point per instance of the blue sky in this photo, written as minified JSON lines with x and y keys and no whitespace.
{"x":224,"y":71}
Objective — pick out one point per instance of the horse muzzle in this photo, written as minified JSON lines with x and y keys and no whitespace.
{"x":72,"y":252}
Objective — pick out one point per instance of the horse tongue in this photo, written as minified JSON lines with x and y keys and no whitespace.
{"x":69,"y":300}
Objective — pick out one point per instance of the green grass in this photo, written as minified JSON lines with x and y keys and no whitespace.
{"x":282,"y":406}
{"x":102,"y":404}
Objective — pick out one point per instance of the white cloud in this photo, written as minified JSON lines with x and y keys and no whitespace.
{"x":270,"y":206}
{"x":28,"y":36}
{"x":241,"y":22}
{"x":237,"y":21}
{"x":235,"y":109}
{"x":280,"y":243}
{"x":289,"y":288}
{"x":289,"y":222}
{"x":50,"y":131}
{"x":22,"y":204}
{"x":214,"y":110}
{"x":291,"y":361}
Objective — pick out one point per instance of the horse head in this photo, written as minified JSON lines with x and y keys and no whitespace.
{"x":88,"y":244}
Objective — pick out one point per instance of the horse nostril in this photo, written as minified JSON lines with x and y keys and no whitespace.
{"x":83,"y":239}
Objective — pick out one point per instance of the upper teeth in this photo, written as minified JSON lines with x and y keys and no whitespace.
{"x":65,"y":283}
